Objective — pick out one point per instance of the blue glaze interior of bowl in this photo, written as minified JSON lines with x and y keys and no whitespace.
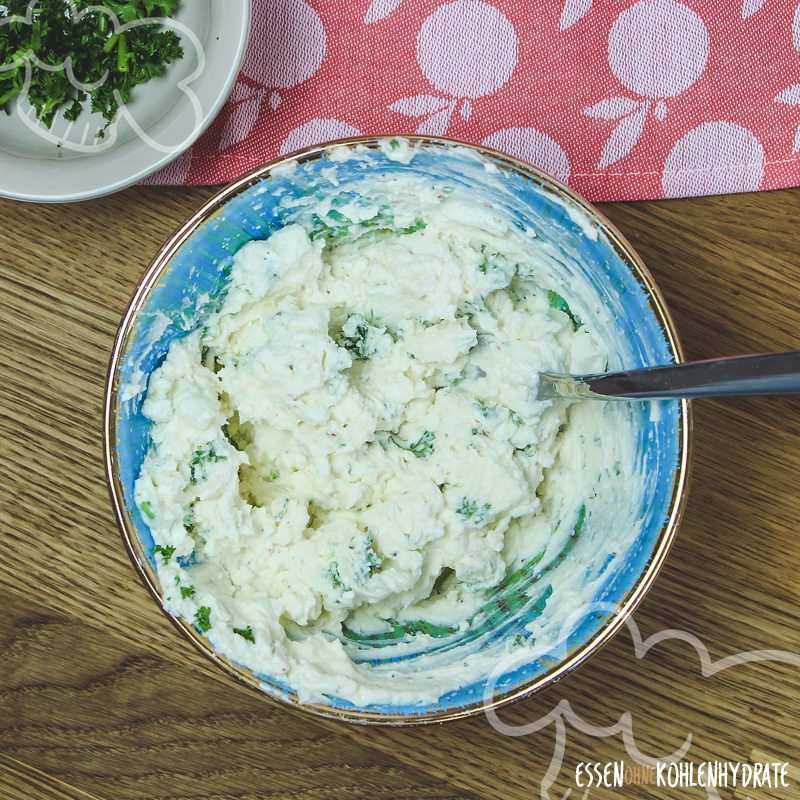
{"x":194,"y":281}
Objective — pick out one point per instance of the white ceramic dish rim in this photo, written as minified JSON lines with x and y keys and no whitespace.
{"x":47,"y":180}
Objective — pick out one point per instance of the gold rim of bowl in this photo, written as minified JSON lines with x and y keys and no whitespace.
{"x":134,"y":546}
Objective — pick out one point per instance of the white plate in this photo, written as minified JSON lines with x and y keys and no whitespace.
{"x":162,"y":120}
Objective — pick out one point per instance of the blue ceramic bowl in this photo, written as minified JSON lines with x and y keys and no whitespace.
{"x":188,"y":277}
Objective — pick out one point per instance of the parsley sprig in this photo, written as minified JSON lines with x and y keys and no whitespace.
{"x":422,"y":448}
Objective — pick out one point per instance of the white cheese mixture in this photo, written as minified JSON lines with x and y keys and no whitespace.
{"x":350,"y":451}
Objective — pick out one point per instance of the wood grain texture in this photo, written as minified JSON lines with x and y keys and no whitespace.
{"x":100,"y":695}
{"x":20,"y":782}
{"x":118,"y":721}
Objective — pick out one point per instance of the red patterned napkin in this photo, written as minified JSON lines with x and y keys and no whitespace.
{"x":619,"y":99}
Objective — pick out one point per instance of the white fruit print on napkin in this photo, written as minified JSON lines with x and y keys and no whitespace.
{"x":791,"y":95}
{"x":574,"y":10}
{"x":749,"y":7}
{"x":466,"y":49}
{"x":316,"y":131}
{"x":380,"y":9}
{"x":287,"y":52}
{"x":533,"y":147}
{"x":717,"y":157}
{"x":246,"y":102}
{"x":657,"y":49}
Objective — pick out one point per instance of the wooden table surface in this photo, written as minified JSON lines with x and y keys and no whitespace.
{"x":100,"y":697}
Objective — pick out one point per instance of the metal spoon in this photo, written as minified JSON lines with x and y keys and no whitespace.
{"x":767,"y":374}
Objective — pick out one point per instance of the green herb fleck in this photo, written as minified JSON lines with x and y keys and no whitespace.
{"x":187,"y":592}
{"x":336,"y":227}
{"x":418,"y":225}
{"x":189,"y":522}
{"x":485,"y":410}
{"x":373,"y":559}
{"x":282,"y":509}
{"x":324,"y":229}
{"x":354,"y":337}
{"x":147,"y":510}
{"x":470,"y":510}
{"x":492,"y":261}
{"x":422,"y":448}
{"x":560,"y":304}
{"x":202,"y":618}
{"x":580,"y":521}
{"x":166,"y":552}
{"x":246,"y":633}
{"x":401,"y":631}
{"x":197,"y":466}
{"x":333,"y":574}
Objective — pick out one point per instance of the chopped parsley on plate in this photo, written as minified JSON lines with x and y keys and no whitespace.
{"x":71,"y":51}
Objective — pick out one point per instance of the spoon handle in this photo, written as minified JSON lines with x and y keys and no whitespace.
{"x":767,"y":374}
